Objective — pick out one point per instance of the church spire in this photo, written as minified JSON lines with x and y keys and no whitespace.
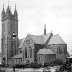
{"x":8,"y":6}
{"x":8,"y":11}
{"x":15,"y":13}
{"x":45,"y":29}
{"x":3,"y":6}
{"x":3,"y":13}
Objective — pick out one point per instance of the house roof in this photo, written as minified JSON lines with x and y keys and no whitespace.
{"x":56,"y":39}
{"x":45,"y":51}
{"x":21,"y":42}
{"x":41,"y":39}
{"x":18,"y":56}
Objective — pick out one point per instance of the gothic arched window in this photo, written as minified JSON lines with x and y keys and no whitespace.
{"x":25,"y":53}
{"x":30,"y":51}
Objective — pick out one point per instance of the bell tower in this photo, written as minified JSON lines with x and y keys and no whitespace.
{"x":9,"y":40}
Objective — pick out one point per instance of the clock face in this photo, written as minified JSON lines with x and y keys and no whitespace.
{"x":14,"y":36}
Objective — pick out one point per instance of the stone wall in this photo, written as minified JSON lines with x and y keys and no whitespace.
{"x":60,"y":50}
{"x":45,"y":58}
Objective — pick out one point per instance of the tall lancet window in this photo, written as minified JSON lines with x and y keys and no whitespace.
{"x":30,"y":51}
{"x":25,"y":53}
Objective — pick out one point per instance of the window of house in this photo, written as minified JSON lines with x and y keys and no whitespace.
{"x":25,"y":53}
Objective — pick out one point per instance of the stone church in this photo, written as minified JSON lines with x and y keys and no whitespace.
{"x":36,"y":49}
{"x":43,"y":48}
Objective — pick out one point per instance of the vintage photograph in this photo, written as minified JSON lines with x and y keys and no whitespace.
{"x":35,"y":35}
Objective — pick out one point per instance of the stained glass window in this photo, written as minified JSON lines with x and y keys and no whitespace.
{"x":25,"y":53}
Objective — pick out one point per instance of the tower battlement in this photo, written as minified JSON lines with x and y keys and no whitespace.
{"x":8,"y":13}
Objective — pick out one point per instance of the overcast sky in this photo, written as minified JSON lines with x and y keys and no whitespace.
{"x":34,"y":14}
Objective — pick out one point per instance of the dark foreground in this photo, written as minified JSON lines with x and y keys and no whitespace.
{"x":46,"y":69}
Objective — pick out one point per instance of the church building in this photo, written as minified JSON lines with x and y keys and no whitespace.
{"x":43,"y":48}
{"x":32,"y":49}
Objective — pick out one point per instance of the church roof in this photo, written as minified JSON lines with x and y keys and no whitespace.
{"x":56,"y":39}
{"x":41,"y":39}
{"x":18,"y":56}
{"x":45,"y":51}
{"x":46,"y":37}
{"x":21,"y":42}
{"x":37,"y":39}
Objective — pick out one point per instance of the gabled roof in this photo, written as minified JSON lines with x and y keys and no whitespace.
{"x":18,"y":56}
{"x":21,"y":42}
{"x":37,"y":39}
{"x":40,"y":39}
{"x":56,"y":39}
{"x":45,"y":51}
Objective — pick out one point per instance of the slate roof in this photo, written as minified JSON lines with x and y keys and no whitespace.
{"x":18,"y":56}
{"x":46,"y":37}
{"x":45,"y":51}
{"x":21,"y":42}
{"x":56,"y":39}
{"x":37,"y":39}
{"x":41,"y":39}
